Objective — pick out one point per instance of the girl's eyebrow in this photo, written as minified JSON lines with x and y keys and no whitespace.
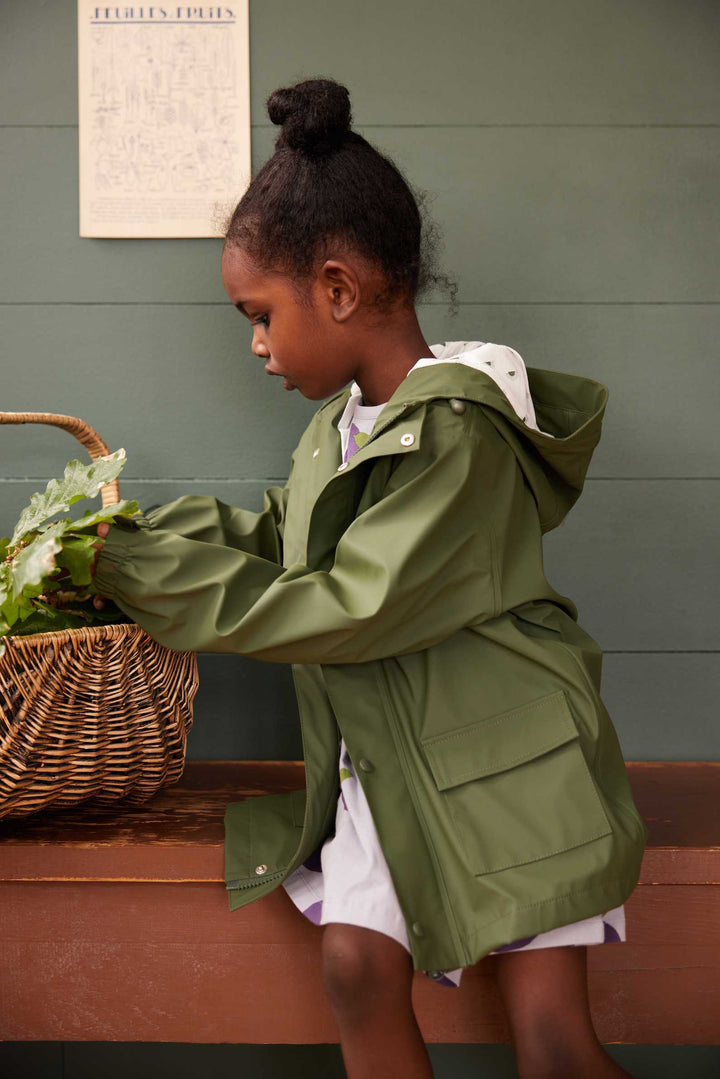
{"x":240,"y":308}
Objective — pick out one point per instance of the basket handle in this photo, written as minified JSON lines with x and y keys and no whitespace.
{"x":109,"y":492}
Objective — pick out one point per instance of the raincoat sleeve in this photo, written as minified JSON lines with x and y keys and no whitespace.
{"x":408,"y":572}
{"x":209,"y":520}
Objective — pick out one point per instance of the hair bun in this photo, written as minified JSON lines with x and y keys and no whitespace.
{"x":314,"y":114}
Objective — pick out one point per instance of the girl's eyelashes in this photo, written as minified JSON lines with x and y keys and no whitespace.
{"x":264,"y":319}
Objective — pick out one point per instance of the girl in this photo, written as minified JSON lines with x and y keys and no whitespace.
{"x":465,"y":790}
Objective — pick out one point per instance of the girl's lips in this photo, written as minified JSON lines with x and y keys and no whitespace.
{"x":286,"y":381}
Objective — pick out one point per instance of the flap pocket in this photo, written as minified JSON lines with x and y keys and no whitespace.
{"x":517,"y":786}
{"x":500,"y":741}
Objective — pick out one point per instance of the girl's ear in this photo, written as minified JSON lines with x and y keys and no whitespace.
{"x":340,"y":287}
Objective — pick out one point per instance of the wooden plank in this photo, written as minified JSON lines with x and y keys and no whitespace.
{"x":167,"y":963}
{"x":527,"y":214}
{"x":138,"y":351}
{"x":658,"y":916}
{"x":178,"y":834}
{"x":165,"y":941}
{"x":679,"y":802}
{"x":613,"y":63}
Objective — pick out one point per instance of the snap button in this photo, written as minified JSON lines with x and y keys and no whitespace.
{"x":261,"y":869}
{"x":316,"y":452}
{"x":408,"y":439}
{"x":418,"y":929}
{"x":342,"y":466}
{"x":457,"y":406}
{"x":366,"y":765}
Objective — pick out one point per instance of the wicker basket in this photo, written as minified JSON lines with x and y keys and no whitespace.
{"x":100,"y":713}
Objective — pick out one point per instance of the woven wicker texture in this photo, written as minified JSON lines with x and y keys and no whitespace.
{"x":96,"y":714}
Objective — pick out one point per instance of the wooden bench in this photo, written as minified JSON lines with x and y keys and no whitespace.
{"x":115,"y":926}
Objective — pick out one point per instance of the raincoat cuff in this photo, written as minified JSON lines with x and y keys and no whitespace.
{"x":117,"y":549}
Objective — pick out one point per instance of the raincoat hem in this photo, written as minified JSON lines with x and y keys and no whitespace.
{"x":565,"y":910}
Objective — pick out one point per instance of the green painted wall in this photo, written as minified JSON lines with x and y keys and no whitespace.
{"x":572,"y":152}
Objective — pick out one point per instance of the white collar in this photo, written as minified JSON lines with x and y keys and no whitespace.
{"x":354,"y":402}
{"x":501,"y":362}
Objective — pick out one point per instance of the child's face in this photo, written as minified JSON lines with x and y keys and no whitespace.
{"x":314,"y":348}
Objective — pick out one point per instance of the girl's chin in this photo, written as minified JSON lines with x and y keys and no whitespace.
{"x":317,"y":394}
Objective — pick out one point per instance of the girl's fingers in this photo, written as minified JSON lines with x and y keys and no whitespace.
{"x":102,"y":529}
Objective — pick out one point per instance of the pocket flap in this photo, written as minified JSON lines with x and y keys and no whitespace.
{"x":501,"y":741}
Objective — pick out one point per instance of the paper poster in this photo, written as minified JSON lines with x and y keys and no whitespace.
{"x":164,"y":117}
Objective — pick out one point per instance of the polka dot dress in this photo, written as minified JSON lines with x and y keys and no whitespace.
{"x":346,"y":879}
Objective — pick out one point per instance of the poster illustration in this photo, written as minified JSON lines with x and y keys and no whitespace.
{"x":164,"y":117}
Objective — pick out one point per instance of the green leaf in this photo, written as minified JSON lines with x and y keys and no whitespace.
{"x":46,"y":618}
{"x":126,"y":508}
{"x":33,"y":597}
{"x":77,"y":555}
{"x":14,"y":611}
{"x":37,"y":560}
{"x":9,"y":611}
{"x":79,"y":481}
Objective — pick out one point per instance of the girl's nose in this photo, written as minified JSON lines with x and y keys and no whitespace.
{"x":259,"y":349}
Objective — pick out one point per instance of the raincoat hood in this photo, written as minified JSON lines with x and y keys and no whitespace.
{"x":552,"y":420}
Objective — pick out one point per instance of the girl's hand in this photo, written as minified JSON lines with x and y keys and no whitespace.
{"x":102,"y":530}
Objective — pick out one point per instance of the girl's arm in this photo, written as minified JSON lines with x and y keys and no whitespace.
{"x":208,"y":520}
{"x":409,"y":572}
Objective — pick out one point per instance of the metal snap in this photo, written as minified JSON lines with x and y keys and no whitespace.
{"x":366,"y":765}
{"x":343,"y":465}
{"x":316,"y":452}
{"x":261,"y":869}
{"x":418,"y":929}
{"x":457,"y":406}
{"x":407,"y":439}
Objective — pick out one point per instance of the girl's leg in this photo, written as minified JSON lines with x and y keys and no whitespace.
{"x":545,"y":994}
{"x":367,"y":977}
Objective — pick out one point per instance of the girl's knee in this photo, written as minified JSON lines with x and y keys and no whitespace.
{"x":360,"y":966}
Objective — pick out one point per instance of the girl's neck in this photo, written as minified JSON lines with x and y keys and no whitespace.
{"x":402,"y":346}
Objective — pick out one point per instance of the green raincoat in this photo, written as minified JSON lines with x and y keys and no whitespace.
{"x":407,"y":590}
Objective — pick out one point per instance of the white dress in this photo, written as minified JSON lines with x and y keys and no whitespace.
{"x":347,"y":878}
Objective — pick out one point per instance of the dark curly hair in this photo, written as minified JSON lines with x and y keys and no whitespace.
{"x":326,"y":184}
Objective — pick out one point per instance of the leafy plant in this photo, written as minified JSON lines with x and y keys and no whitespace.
{"x":45,"y":578}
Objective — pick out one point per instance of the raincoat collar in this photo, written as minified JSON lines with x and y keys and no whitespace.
{"x":504,"y":383}
{"x":551,"y":419}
